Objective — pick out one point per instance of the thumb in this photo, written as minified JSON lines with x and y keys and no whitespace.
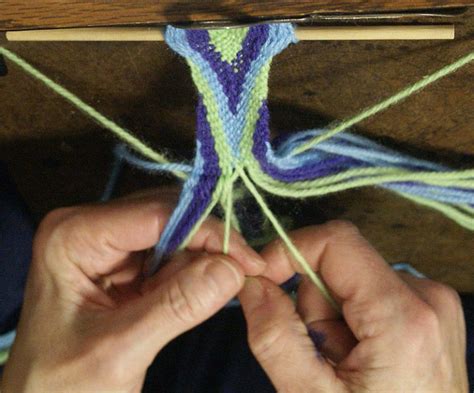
{"x":279,"y":340}
{"x":184,"y":300}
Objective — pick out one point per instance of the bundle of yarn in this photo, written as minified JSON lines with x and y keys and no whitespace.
{"x":230,"y":69}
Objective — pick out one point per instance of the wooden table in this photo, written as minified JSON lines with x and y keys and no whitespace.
{"x":58,"y":157}
{"x":28,"y":14}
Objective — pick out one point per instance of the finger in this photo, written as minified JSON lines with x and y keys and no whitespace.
{"x":211,"y":234}
{"x":99,"y":238}
{"x":124,"y":284}
{"x":210,"y":237}
{"x":311,"y":304}
{"x":334,"y":338}
{"x":356,"y":274}
{"x":178,"y":262}
{"x":164,"y":193}
{"x":446,"y":303}
{"x":187,"y":298}
{"x":442,"y":298}
{"x":279,"y":340}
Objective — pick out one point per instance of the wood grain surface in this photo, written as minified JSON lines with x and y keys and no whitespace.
{"x":27,"y":14}
{"x":58,"y":157}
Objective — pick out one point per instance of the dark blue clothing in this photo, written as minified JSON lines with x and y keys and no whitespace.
{"x":214,"y":357}
{"x":16,"y":234}
{"x":468,"y":306}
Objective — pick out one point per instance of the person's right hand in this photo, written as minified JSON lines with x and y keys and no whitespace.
{"x":398,"y":333}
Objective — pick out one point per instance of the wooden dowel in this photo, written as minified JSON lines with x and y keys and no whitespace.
{"x":351,"y":33}
{"x":89,"y":34}
{"x":420,"y":32}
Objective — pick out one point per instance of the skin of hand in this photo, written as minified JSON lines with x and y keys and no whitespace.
{"x":91,"y":322}
{"x":397,"y":334}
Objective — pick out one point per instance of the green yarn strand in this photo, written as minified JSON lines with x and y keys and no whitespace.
{"x":343,"y":181}
{"x":4,"y":357}
{"x":463,"y":215}
{"x":229,"y":210}
{"x":120,"y":132}
{"x":381,"y":106}
{"x":295,"y":253}
{"x":460,"y":215}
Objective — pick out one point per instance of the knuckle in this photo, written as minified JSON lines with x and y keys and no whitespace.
{"x":342,"y":228}
{"x":425,"y":321}
{"x":180,"y":308}
{"x":183,"y":306}
{"x":426,"y":334}
{"x":370,"y":318}
{"x":52,"y":231}
{"x":54,"y":219}
{"x":267,"y":342}
{"x":445,"y":297}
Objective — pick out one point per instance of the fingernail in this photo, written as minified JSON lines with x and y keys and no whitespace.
{"x":224,"y":271}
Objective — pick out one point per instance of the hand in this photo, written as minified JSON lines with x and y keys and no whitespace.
{"x":399,"y":333}
{"x":90,"y":321}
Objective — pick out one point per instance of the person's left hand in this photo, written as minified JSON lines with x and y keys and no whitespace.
{"x":90,"y":321}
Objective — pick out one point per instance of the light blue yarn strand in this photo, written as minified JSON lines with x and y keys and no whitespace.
{"x":343,"y":144}
{"x":185,"y":199}
{"x":406,"y":267}
{"x":123,"y":153}
{"x":355,"y":146}
{"x":111,"y":185}
{"x":452,"y":196}
{"x":373,"y":157}
{"x":7,"y":339}
{"x":362,"y":149}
